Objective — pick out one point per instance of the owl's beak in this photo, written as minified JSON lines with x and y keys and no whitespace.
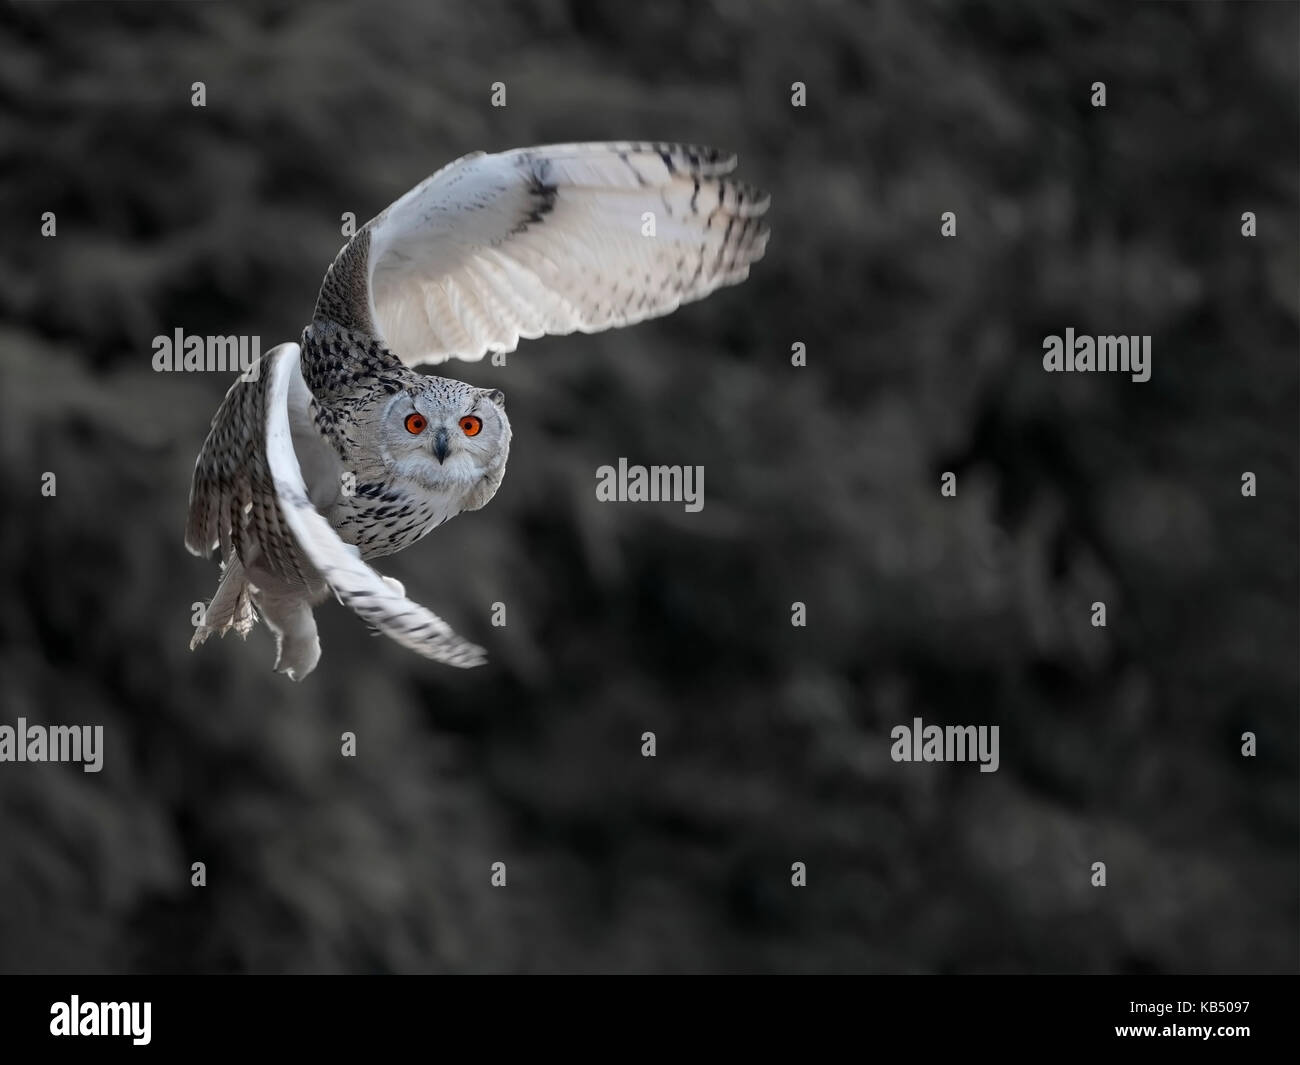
{"x":440,"y":445}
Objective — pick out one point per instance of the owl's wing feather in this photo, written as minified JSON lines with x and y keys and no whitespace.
{"x":550,"y":240}
{"x":356,"y":584}
{"x":232,"y":496}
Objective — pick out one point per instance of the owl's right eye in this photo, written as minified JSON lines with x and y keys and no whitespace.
{"x":415,"y":424}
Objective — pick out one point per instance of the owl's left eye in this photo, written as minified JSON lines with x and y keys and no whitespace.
{"x":415,"y":424}
{"x":471,"y":425}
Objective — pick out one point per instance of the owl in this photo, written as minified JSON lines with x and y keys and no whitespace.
{"x":333,"y":451}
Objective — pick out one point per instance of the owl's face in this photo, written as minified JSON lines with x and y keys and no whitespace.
{"x":444,"y":438}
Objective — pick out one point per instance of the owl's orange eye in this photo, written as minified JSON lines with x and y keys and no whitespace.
{"x":471,"y":425}
{"x":415,"y":424}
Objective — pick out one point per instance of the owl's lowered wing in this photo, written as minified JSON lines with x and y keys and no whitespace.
{"x":546,"y":240}
{"x":356,"y":584}
{"x":232,"y":495}
{"x":249,"y":494}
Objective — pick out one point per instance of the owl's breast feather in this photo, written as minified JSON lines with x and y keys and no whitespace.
{"x":393,"y":520}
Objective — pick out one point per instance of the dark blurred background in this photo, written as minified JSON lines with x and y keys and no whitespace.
{"x":1119,"y":744}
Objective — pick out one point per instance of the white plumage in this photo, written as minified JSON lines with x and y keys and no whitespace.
{"x":454,"y":274}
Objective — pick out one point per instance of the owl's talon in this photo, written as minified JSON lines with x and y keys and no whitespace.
{"x":296,"y":658}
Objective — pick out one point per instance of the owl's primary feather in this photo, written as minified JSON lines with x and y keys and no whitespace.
{"x":336,"y":451}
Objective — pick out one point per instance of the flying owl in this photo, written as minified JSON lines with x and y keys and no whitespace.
{"x":333,"y":451}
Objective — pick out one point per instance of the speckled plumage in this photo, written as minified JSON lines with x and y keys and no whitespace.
{"x":336,"y":451}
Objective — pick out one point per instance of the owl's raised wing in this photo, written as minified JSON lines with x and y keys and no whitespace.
{"x":545,"y":240}
{"x":249,"y":496}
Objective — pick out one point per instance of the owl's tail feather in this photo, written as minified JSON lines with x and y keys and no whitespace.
{"x":231,"y":607}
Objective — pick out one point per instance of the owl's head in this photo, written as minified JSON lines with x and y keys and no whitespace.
{"x":444,"y":434}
